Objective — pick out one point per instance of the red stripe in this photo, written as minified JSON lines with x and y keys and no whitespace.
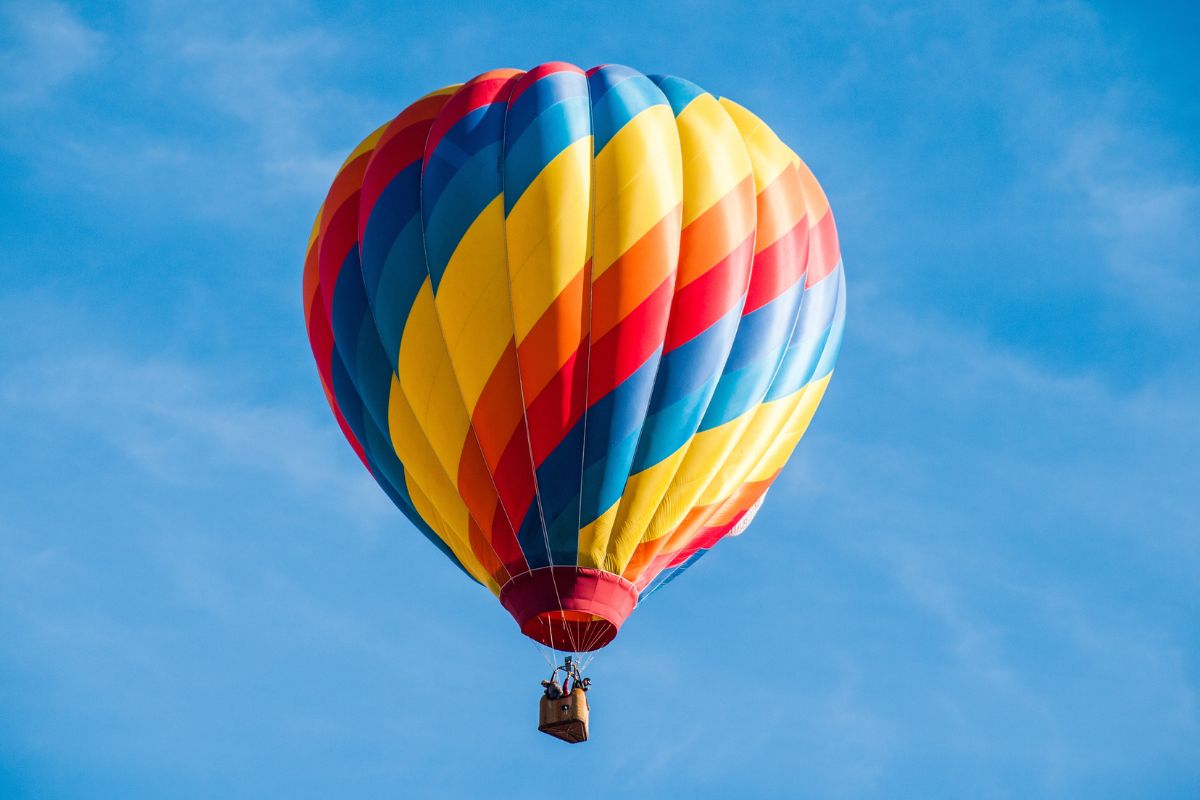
{"x":506,"y":544}
{"x":476,"y":93}
{"x":556,"y":334}
{"x":479,"y":494}
{"x":635,"y":273}
{"x":537,"y":73}
{"x":619,"y":353}
{"x":312,"y":277}
{"x":336,"y":242}
{"x":390,"y":159}
{"x":825,"y":253}
{"x":345,"y":184}
{"x":708,"y":298}
{"x":320,"y":338}
{"x":559,"y":406}
{"x":418,"y":113}
{"x":498,"y":411}
{"x":514,"y":476}
{"x":778,"y":267}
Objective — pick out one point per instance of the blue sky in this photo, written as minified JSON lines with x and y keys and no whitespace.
{"x":977,"y":578}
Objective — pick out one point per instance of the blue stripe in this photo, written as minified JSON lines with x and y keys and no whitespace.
{"x":398,"y":204}
{"x":603,"y":79}
{"x":358,"y":344}
{"x":613,"y":427}
{"x":668,"y":575}
{"x":672,"y":427}
{"x":754,"y":359}
{"x":348,"y":307}
{"x":696,"y":361}
{"x":799,"y":365}
{"x":400,"y":281}
{"x":556,"y":129}
{"x":833,"y":347}
{"x":613,"y":424}
{"x":766,"y":329}
{"x":679,"y":92}
{"x":558,"y":493}
{"x":739,"y":392}
{"x":540,"y":96}
{"x":354,"y":338}
{"x":687,"y":378}
{"x":347,"y":397}
{"x":480,"y":128}
{"x":473,"y":186}
{"x":619,"y":95}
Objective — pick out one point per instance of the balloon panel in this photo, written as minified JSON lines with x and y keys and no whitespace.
{"x":574,"y":323}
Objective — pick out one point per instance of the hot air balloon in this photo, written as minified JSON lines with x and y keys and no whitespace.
{"x":574,"y":324}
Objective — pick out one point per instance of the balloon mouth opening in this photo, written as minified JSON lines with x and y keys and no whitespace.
{"x":569,"y":608}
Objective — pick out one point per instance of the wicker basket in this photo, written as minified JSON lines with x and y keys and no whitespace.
{"x":565,"y":718}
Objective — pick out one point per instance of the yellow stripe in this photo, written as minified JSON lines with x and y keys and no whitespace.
{"x":422,"y":463}
{"x":424,"y":474}
{"x":547,"y":234}
{"x":714,"y":156}
{"x":766,"y":420}
{"x":461,"y":549}
{"x":769,"y":156}
{"x":316,"y":230}
{"x":638,"y":180}
{"x":451,"y":89}
{"x":814,"y":196}
{"x":717,"y":453}
{"x":366,"y":145}
{"x":781,"y":447}
{"x":704,"y":455}
{"x":426,"y":381}
{"x":591,"y":547}
{"x":427,"y":420}
{"x":715,"y":162}
{"x":473,"y":302}
{"x":643,"y":494}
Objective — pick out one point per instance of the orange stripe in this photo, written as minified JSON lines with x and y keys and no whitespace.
{"x":827,"y":254}
{"x":724,"y":512}
{"x":474,"y":483}
{"x":346,"y":184}
{"x":710,"y":237}
{"x":635,"y":274}
{"x":499,"y":411}
{"x":481,"y":547}
{"x":780,"y":207}
{"x":555,"y":337}
{"x":697,"y":520}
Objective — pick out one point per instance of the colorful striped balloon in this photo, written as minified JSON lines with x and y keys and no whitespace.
{"x":574,"y":323}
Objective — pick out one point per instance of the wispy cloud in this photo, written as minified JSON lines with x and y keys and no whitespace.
{"x":270,"y":85}
{"x":1143,"y":206}
{"x":184,"y":427}
{"x":1063,"y":469}
{"x":47,"y":45}
{"x":264,"y":126}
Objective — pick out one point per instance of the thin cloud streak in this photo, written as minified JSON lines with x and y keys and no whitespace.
{"x":50,"y":46}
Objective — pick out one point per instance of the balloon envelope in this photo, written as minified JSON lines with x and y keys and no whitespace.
{"x":574,"y":324}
